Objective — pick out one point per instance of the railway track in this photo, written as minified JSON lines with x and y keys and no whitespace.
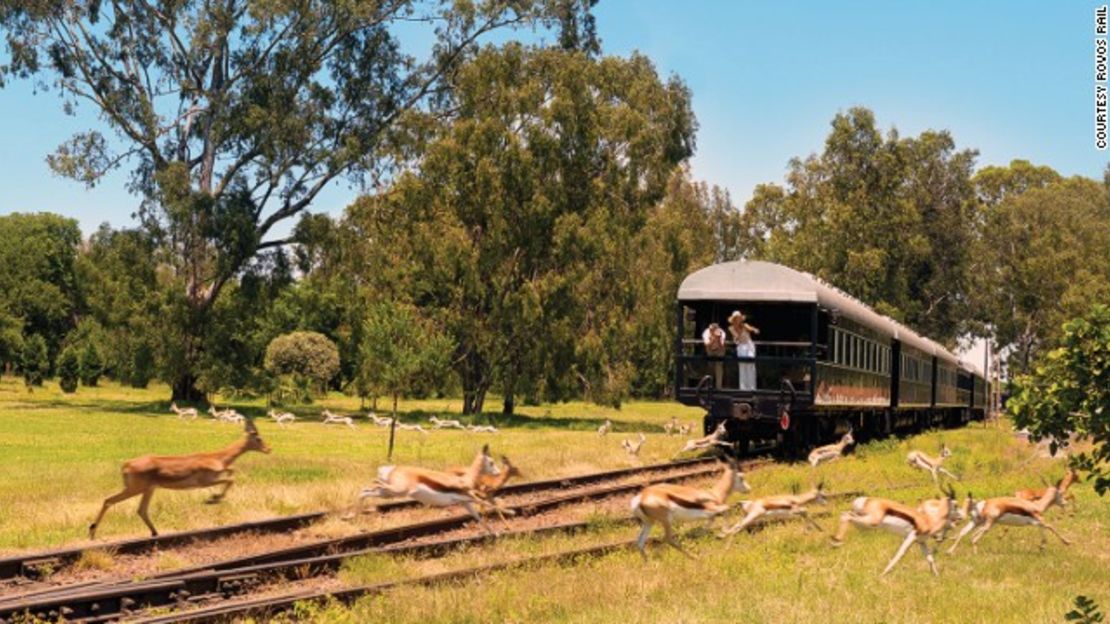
{"x":37,"y":564}
{"x":113,"y":599}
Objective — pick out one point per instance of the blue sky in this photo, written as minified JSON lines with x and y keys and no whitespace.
{"x":1013,"y":80}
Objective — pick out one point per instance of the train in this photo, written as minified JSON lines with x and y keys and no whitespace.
{"x":824,"y":363}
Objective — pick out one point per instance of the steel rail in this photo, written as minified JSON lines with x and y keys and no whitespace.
{"x":37,"y":564}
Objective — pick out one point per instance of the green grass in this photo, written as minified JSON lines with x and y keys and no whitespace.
{"x":60,"y":456}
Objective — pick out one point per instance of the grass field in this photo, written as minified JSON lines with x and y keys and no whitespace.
{"x":60,"y":457}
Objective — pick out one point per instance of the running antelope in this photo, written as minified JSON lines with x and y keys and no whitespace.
{"x":667,"y":503}
{"x":1063,"y":498}
{"x":671,"y":428}
{"x":184,"y":412}
{"x":488,"y":485}
{"x":633,"y":448}
{"x":781,"y":506}
{"x":1010,"y":510}
{"x":407,"y":427}
{"x":713,"y":439}
{"x":335,"y":419}
{"x":381,"y":421}
{"x":433,"y":487}
{"x":282,"y":418}
{"x":932,"y":465}
{"x":830,"y":452}
{"x":605,"y":428}
{"x":439,"y":423}
{"x":685,"y":429}
{"x":227,"y":415}
{"x":481,"y":428}
{"x":930,"y":519}
{"x":181,"y":472}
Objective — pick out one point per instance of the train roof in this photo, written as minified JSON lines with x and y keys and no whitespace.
{"x":754,"y":280}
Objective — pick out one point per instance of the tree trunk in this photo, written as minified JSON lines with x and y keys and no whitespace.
{"x":508,"y":405}
{"x":185,"y":388}
{"x":475,"y":382}
{"x":392,"y":429}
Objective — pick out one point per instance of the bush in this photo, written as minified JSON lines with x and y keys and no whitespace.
{"x":142,"y":366}
{"x":306,"y":360}
{"x":69,"y":370}
{"x":92,"y":366}
{"x":34,"y":362}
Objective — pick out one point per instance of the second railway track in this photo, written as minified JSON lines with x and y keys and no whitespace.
{"x":113,"y":598}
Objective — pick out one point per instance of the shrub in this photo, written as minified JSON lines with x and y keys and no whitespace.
{"x":305,"y":362}
{"x":142,"y":366}
{"x":69,"y":370}
{"x":34,"y":362}
{"x":92,"y":366}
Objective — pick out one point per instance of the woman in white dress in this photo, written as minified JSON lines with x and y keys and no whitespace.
{"x":745,"y":347}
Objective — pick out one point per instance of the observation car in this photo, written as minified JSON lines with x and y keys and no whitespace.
{"x":824,"y":363}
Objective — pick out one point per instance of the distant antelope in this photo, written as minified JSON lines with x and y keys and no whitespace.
{"x":440,"y":423}
{"x":830,"y":452}
{"x":335,"y":419}
{"x":189,"y":413}
{"x":1013,"y":511}
{"x":381,"y":421}
{"x":711,"y":440}
{"x":407,"y":427}
{"x":930,"y":519}
{"x":282,"y":418}
{"x":633,"y":448}
{"x":605,"y":428}
{"x":181,"y":472}
{"x":671,"y":427}
{"x":668,"y":503}
{"x":932,"y":465}
{"x":685,"y":429}
{"x":781,"y":506}
{"x":433,"y":487}
{"x":228,"y":415}
{"x":482,"y":428}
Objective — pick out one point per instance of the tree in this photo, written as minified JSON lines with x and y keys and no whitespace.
{"x":92,"y":366}
{"x":889,"y":219}
{"x":1068,"y":392}
{"x":37,"y":275}
{"x":515,"y":228}
{"x":1025,"y":240}
{"x":309,"y":359}
{"x":69,"y":370}
{"x":234,"y":116}
{"x":11,"y":340}
{"x":35,"y":362}
{"x":402,"y":352}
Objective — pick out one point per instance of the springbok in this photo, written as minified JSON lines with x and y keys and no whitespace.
{"x":440,"y":423}
{"x":1010,"y":510}
{"x":335,"y":419}
{"x":711,"y":440}
{"x":407,"y":427}
{"x":481,"y":428}
{"x":685,"y":429}
{"x":1063,"y":498}
{"x":667,"y":503}
{"x":932,"y":465}
{"x":931,"y":518}
{"x":780,"y":506}
{"x":633,"y":448}
{"x":488,"y":485}
{"x":181,"y":472}
{"x":381,"y":421}
{"x":183,"y":413}
{"x":605,"y":428}
{"x":433,"y":487}
{"x":282,"y":418}
{"x":671,"y":427}
{"x":829,"y":452}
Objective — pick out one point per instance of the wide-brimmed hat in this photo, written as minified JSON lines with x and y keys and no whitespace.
{"x":736,"y":317}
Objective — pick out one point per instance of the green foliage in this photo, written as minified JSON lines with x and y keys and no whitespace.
{"x":1028,"y":235}
{"x":237,"y":122}
{"x":34,"y":362}
{"x":92,"y":366}
{"x":402,"y":352}
{"x":37,"y":277}
{"x":11,"y":338}
{"x":517,"y":230}
{"x":1085,"y":611}
{"x":887,"y":218}
{"x":69,"y":370}
{"x":1069,"y":392}
{"x":141,"y":370}
{"x":307,"y":360}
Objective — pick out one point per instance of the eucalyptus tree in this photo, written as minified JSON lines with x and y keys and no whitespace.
{"x":516,"y":229}
{"x":234,"y":115}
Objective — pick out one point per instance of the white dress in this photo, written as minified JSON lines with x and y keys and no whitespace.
{"x":746,"y":348}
